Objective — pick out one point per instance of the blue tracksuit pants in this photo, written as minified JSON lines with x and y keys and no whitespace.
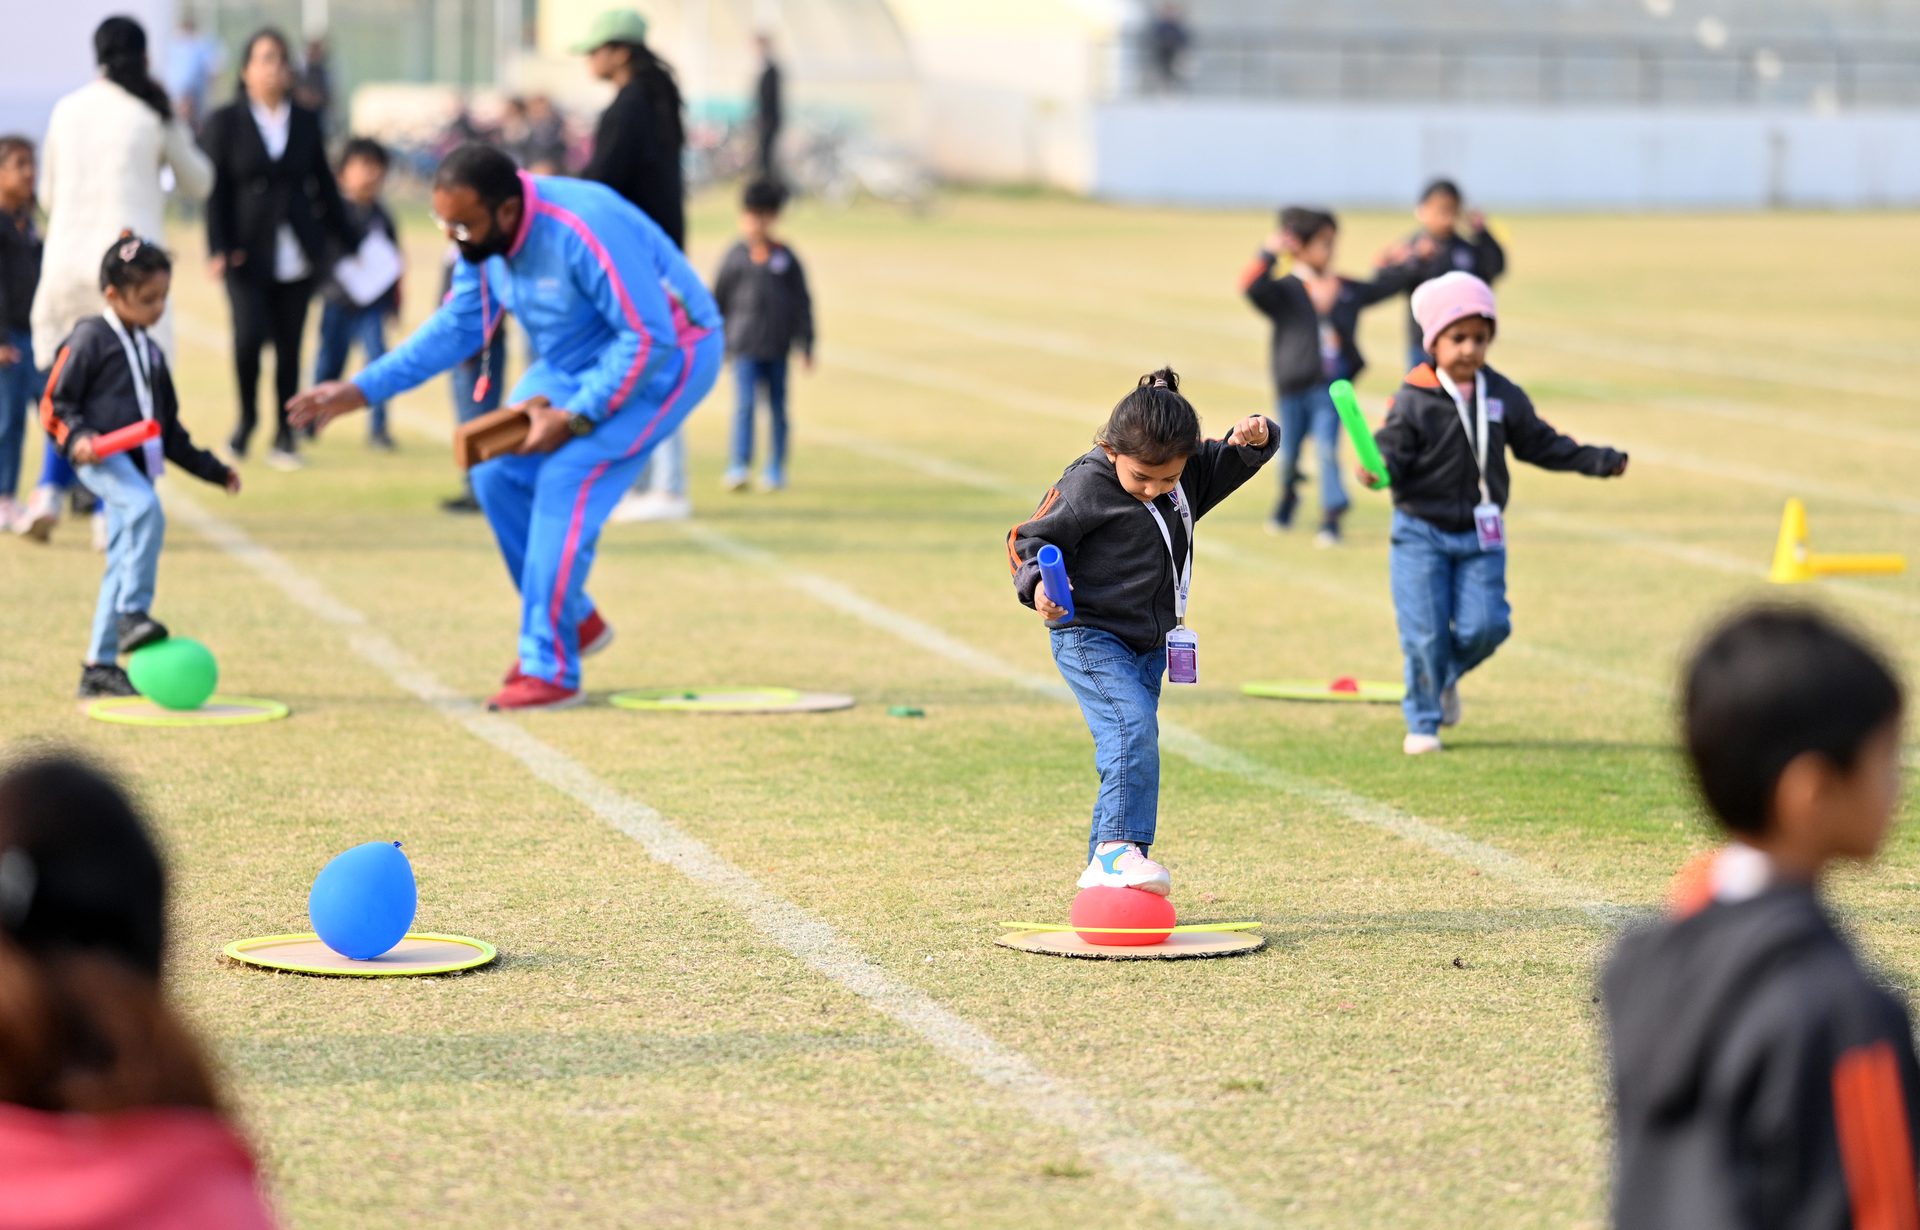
{"x":546,"y":509}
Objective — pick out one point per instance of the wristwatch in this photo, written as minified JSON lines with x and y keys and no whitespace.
{"x":580,"y":425}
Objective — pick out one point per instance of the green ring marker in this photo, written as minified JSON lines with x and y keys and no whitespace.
{"x":1357,"y":430}
{"x":905,"y":711}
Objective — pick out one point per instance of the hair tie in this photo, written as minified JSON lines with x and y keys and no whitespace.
{"x":1159,"y":382}
{"x":129,"y":250}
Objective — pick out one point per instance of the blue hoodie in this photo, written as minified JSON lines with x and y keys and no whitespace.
{"x":602,"y":292}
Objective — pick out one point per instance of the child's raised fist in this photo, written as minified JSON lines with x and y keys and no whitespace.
{"x":1249,"y":431}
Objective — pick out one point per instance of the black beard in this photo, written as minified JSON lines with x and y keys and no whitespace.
{"x":477,"y":253}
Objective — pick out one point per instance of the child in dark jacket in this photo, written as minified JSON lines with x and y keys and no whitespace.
{"x":1123,"y":517}
{"x":1316,"y":321}
{"x":20,"y":380}
{"x":1445,"y":446}
{"x":345,"y":319}
{"x":1762,"y":1077}
{"x":109,"y":375}
{"x":1438,"y":247}
{"x":762,"y":293}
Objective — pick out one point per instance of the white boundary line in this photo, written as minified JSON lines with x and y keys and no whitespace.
{"x":1158,"y":1173}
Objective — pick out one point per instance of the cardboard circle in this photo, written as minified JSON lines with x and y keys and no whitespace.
{"x":729,"y":699}
{"x":218,"y":711}
{"x":1181,"y":944}
{"x":421,"y":952}
{"x":1371,"y":692}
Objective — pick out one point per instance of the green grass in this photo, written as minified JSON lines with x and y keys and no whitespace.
{"x":1418,"y":1043}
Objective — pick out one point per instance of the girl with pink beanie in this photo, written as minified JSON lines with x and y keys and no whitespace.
{"x":1445,"y":444}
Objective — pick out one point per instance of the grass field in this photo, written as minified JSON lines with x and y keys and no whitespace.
{"x":671,"y":1044}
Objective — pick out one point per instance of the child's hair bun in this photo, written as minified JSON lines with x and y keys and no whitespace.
{"x":1164,"y":378}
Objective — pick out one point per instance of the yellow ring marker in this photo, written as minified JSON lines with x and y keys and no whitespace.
{"x":218,"y":711}
{"x":419,"y":952}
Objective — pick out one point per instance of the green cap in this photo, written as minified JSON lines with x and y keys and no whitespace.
{"x":612,"y":26}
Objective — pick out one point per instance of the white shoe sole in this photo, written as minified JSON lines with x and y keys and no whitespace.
{"x":1422,"y":748}
{"x":1160,"y":885}
{"x":38,"y":529}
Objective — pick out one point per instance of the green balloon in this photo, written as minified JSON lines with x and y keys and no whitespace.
{"x":176,"y":673}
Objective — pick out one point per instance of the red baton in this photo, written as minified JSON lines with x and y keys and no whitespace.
{"x":131,"y":436}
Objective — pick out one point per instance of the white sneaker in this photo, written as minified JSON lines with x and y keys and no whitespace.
{"x":1420,"y":745}
{"x":635,"y":508}
{"x":99,"y":531}
{"x":1450,"y":706}
{"x":284,"y":461}
{"x":41,"y":513}
{"x":1326,"y":539}
{"x":9,"y":510}
{"x":736,"y":481}
{"x":1119,"y":864}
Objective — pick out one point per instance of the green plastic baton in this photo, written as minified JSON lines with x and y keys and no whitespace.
{"x":1349,"y":407}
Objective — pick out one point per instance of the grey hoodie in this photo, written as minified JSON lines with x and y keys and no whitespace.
{"x":1121,"y":572}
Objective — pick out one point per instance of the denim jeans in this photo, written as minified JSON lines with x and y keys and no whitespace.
{"x":135,"y":530}
{"x":1119,"y":695}
{"x":1451,"y":601}
{"x":748,"y":375}
{"x":20,"y":387}
{"x":666,"y":469}
{"x":341,"y":325}
{"x":1311,"y":413}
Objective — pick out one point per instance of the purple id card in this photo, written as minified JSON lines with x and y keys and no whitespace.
{"x":1490,"y":526}
{"x":1183,"y":657}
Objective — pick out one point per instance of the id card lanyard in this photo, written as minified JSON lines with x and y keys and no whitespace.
{"x":1183,"y":648}
{"x":1488,"y":524}
{"x":139,"y":363}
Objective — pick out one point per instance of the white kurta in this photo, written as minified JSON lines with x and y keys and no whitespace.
{"x":99,"y":175}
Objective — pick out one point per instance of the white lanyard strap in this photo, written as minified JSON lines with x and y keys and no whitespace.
{"x":1183,"y":574}
{"x":140,"y":364}
{"x":1476,"y":427}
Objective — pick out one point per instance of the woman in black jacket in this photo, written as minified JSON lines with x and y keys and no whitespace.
{"x":271,"y":220}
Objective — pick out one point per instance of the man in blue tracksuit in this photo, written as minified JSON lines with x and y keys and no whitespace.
{"x":629,"y":342}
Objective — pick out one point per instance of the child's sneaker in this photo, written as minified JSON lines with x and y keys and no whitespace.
{"x":736,"y":481}
{"x":1119,"y":864}
{"x":1450,"y":706}
{"x":1329,"y":536}
{"x":770,"y":483}
{"x":1420,"y":745}
{"x":100,"y":679}
{"x":138,"y":630}
{"x":40,"y":515}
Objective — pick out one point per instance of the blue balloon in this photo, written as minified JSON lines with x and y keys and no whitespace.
{"x":363,"y":901}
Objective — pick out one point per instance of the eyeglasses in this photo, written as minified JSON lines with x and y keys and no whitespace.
{"x":459,"y":232}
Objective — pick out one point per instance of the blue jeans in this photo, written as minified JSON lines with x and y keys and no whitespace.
{"x":135,"y":530}
{"x":20,"y":387}
{"x":1119,"y":695}
{"x":341,"y":325}
{"x":1311,"y":413}
{"x":666,"y":468}
{"x":748,"y":375}
{"x":1451,"y":601}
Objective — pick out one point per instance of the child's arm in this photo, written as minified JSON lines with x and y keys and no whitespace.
{"x":1399,"y":440}
{"x":1533,"y":440}
{"x":220,"y":221}
{"x":726,"y":280}
{"x":803,"y":328}
{"x":1055,"y":521}
{"x":69,"y":381}
{"x":1489,"y":258}
{"x":175,"y":443}
{"x":1387,"y":282}
{"x":1259,"y":285}
{"x":1221,"y":466}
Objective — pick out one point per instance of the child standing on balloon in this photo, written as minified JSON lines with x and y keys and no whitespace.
{"x":1445,"y":446}
{"x":109,"y":375}
{"x":1123,"y":518}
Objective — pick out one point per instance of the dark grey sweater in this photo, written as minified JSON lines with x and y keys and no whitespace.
{"x":1122,"y":575}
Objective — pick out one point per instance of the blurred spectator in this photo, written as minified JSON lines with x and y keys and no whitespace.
{"x":356,"y":310}
{"x":1167,"y":41}
{"x":313,"y":85}
{"x":767,"y":113}
{"x":546,"y":142}
{"x":109,"y":1112}
{"x":192,"y":61}
{"x":640,"y":139}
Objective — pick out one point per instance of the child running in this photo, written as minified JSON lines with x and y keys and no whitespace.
{"x":1438,"y":247}
{"x":762,"y":293}
{"x":1445,"y":445}
{"x":1316,"y":321}
{"x":1123,"y":517}
{"x":108,"y":375}
{"x":1761,"y":1075}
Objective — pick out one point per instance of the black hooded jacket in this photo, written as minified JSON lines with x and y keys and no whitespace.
{"x":1295,"y":357}
{"x":90,"y":391}
{"x":1761,"y":1079}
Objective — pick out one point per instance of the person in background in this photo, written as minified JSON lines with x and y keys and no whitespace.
{"x":768,"y":108}
{"x":546,"y":143}
{"x":1762,"y":1074}
{"x":313,"y":84}
{"x":1439,"y":247}
{"x":111,"y":145}
{"x":762,"y":293}
{"x":20,"y":379}
{"x":193,"y":60}
{"x":1167,"y":41}
{"x":343,"y":319}
{"x":274,"y":217}
{"x":637,"y":149}
{"x":109,"y":1112}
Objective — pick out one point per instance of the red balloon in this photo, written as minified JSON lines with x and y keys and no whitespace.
{"x":1121,"y":907}
{"x":1345,"y":683}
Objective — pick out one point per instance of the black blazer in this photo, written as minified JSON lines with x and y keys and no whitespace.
{"x":253,"y":194}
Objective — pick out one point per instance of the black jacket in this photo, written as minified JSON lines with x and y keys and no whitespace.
{"x":1298,"y":363}
{"x":20,"y":247}
{"x":1480,"y":255}
{"x":633,"y":154}
{"x":1761,"y":1080}
{"x":90,"y":391}
{"x":768,"y":114}
{"x":1122,"y":577}
{"x":253,"y":193}
{"x":1430,"y":459}
{"x":767,"y":308}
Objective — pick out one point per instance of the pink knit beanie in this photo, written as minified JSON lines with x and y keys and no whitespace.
{"x":1449,"y":297}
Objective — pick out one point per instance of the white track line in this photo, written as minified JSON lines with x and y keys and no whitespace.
{"x":1158,"y":1173}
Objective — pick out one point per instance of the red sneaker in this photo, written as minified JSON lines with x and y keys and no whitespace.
{"x":595,"y":634}
{"x":526,"y":692}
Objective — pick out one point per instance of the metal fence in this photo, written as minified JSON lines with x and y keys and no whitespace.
{"x":1519,"y":69}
